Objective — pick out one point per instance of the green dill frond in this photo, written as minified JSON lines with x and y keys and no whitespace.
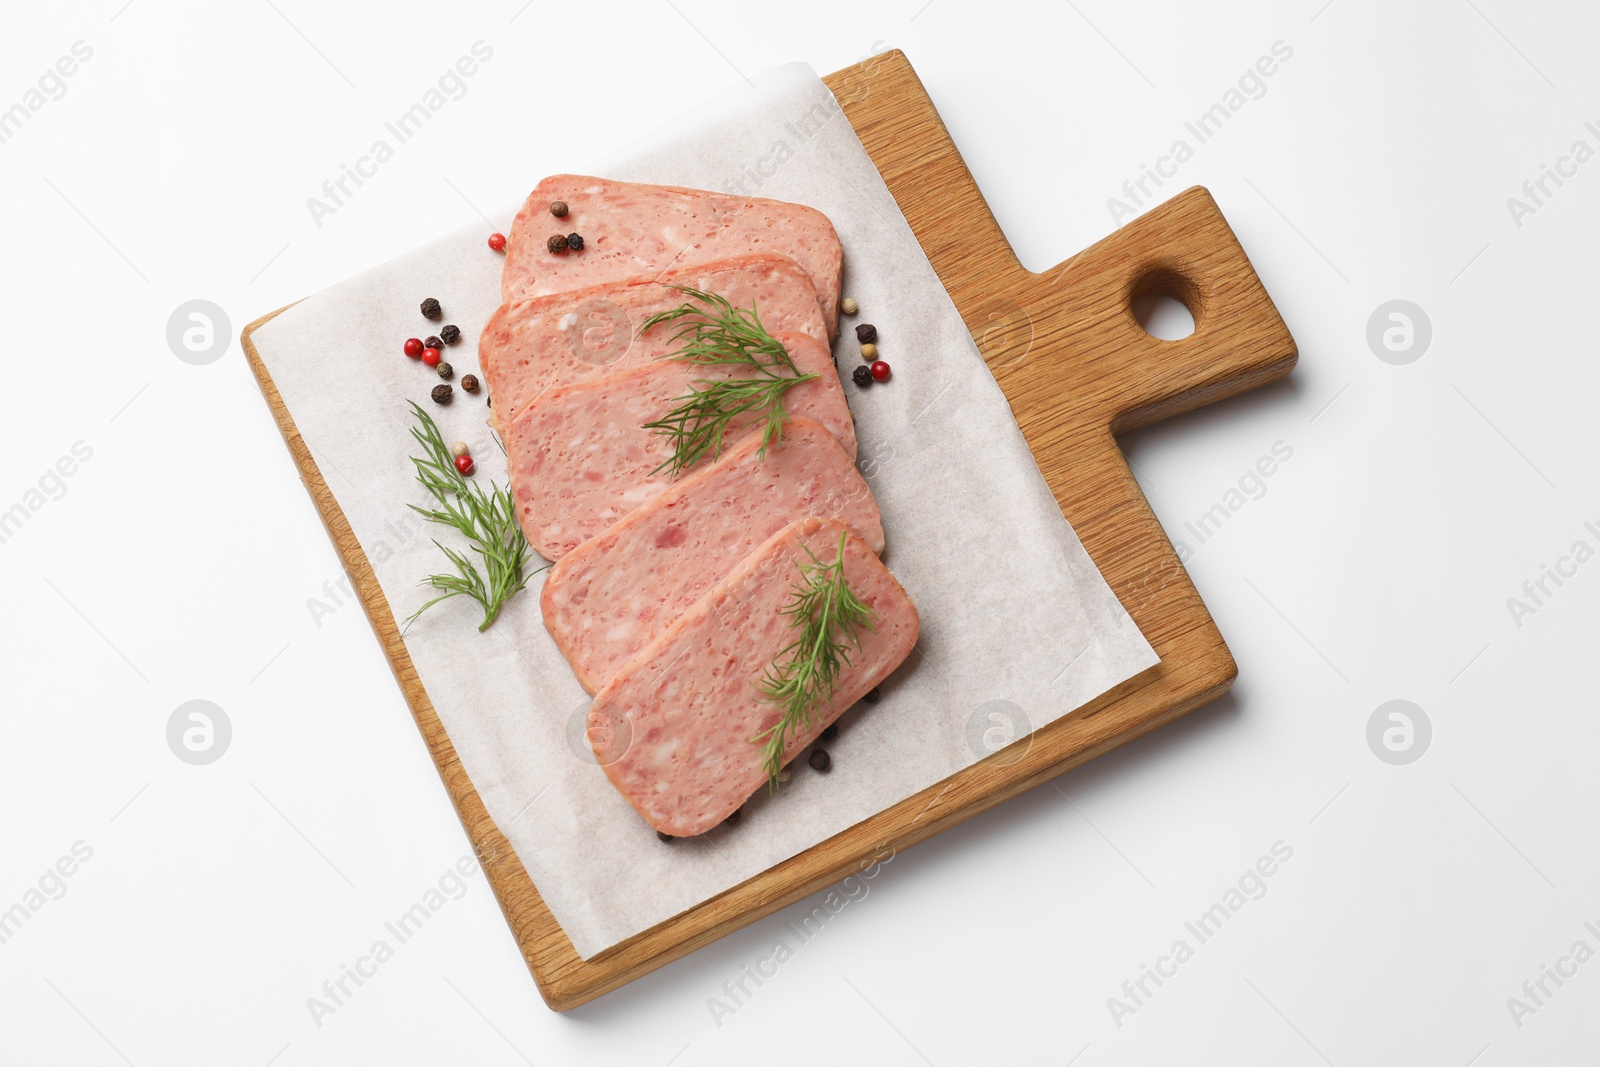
{"x":487,"y":518}
{"x":829,"y":616}
{"x":717,"y":333}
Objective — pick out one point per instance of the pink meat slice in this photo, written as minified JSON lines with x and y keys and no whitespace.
{"x":630,"y":229}
{"x":612,"y":595}
{"x":672,"y":729}
{"x":533,"y":345}
{"x":581,"y":458}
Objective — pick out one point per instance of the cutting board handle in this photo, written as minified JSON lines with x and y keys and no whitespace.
{"x":1074,"y":324}
{"x":1063,"y":343}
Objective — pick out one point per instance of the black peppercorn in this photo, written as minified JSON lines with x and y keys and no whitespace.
{"x":867,"y":333}
{"x":830,"y":733}
{"x":819,"y":759}
{"x":469,"y":382}
{"x":575,"y":242}
{"x":450,"y":334}
{"x":431,"y":309}
{"x":433,"y":342}
{"x":862,"y":376}
{"x":665,"y":837}
{"x":557,"y":242}
{"x":445,"y":371}
{"x":559,"y":209}
{"x":441,"y":394}
{"x":733,"y":820}
{"x":872,"y":697}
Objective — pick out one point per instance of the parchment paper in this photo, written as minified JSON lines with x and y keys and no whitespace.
{"x":1018,"y":627}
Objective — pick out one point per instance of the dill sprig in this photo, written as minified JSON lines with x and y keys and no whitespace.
{"x":802,"y":677}
{"x":486,"y":518}
{"x":719,"y":333}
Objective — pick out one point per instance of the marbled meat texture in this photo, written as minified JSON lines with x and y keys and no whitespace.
{"x":673,"y":728}
{"x":629,"y":229}
{"x":581,"y":458}
{"x":612,"y":595}
{"x":533,"y":345}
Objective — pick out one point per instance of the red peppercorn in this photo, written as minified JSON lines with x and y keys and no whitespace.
{"x":464,"y":464}
{"x":431,"y":356}
{"x":880,"y":371}
{"x":497,"y":241}
{"x":413,"y":347}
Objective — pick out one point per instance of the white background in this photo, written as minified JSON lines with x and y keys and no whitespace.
{"x":178,"y":561}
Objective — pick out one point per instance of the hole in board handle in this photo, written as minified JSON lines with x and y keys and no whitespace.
{"x":1164,"y":303}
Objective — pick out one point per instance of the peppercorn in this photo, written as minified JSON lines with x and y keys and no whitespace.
{"x":559,"y":209}
{"x":830,"y":733}
{"x":469,"y":382}
{"x":820,"y":760}
{"x":431,"y":356}
{"x":459,"y":449}
{"x":872,"y":697}
{"x":413,"y":347}
{"x":869,"y":351}
{"x":464,"y":464}
{"x":866,"y":333}
{"x":450,"y":334}
{"x":880,"y":371}
{"x":733,"y":820}
{"x":557,"y":242}
{"x":433,"y":342}
{"x":849,"y":306}
{"x":575,"y":242}
{"x":862,"y":376}
{"x":497,"y":241}
{"x":441,"y":394}
{"x":431,"y":309}
{"x":446,"y":371}
{"x":665,"y":836}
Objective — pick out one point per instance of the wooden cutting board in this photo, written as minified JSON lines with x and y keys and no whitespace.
{"x":1077,"y":369}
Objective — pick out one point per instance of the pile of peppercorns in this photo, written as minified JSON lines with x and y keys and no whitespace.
{"x":431,"y":352}
{"x":874,"y":369}
{"x":563,"y":242}
{"x":558,"y":242}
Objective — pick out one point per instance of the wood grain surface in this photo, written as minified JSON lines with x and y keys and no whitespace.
{"x":1077,"y":368}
